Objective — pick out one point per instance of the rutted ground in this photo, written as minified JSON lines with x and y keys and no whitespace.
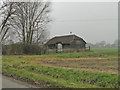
{"x":109,"y":65}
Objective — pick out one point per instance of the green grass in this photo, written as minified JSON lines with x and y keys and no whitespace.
{"x":102,"y":53}
{"x":21,"y":67}
{"x":93,"y":53}
{"x":59,"y":77}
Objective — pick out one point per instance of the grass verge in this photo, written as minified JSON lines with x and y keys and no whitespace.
{"x":59,"y":77}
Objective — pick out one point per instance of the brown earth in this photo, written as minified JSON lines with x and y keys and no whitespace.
{"x":109,"y":65}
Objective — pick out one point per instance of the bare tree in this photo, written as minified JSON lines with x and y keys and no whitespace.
{"x":6,"y":11}
{"x":30,"y":21}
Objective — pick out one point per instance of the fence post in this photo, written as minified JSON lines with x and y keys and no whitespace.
{"x":89,"y":48}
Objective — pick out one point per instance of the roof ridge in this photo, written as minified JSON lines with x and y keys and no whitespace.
{"x":65,"y":35}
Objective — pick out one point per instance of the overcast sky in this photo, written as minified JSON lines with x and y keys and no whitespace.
{"x":93,"y":21}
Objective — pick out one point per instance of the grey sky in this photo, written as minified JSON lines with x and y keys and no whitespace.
{"x":93,"y":21}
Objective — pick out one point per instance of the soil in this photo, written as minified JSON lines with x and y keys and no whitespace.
{"x":109,"y":65}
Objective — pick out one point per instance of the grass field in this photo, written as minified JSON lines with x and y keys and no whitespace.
{"x":93,"y":53}
{"x":97,"y":68}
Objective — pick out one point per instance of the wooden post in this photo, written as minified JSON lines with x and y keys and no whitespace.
{"x":89,"y":48}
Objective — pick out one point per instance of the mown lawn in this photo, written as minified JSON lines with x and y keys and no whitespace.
{"x":40,"y":70}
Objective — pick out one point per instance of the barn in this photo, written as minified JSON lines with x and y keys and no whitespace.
{"x":66,"y":43}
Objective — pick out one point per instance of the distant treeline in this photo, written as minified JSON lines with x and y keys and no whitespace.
{"x":103,"y":44}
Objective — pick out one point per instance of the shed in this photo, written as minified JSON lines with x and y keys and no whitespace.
{"x":67,"y":41}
